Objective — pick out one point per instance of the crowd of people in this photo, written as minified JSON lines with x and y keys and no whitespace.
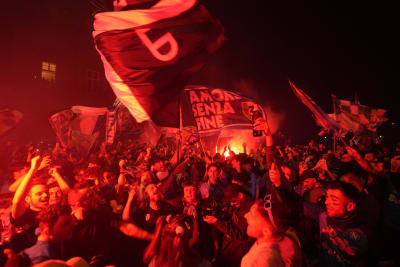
{"x":140,"y":205}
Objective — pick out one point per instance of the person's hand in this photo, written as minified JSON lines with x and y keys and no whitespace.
{"x":210,"y":219}
{"x":45,"y":162}
{"x":191,"y":211}
{"x":122,"y":163}
{"x":260,"y":124}
{"x":244,"y":145}
{"x":9,"y":253}
{"x":132,"y":193}
{"x":35,"y":162}
{"x":148,"y":149}
{"x":352,"y":152}
{"x":321,"y":164}
{"x":275,"y":175}
{"x":53,"y":172}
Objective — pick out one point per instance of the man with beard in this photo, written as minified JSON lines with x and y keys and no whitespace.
{"x":29,"y":199}
{"x":146,"y":217}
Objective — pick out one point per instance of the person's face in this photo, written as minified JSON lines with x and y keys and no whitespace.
{"x":246,"y":167}
{"x":369,"y":157}
{"x":152,"y":192}
{"x":237,"y":201}
{"x":55,"y":195}
{"x":62,"y":229}
{"x":213,"y":175}
{"x":379,"y":166}
{"x":38,"y":197}
{"x":80,"y":176}
{"x":145,"y":179}
{"x":309,"y":183}
{"x":337,"y":204}
{"x":190,"y":194}
{"x":159,"y":166}
{"x":255,"y":222}
{"x":235,"y":164}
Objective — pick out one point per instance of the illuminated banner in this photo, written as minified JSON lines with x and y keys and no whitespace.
{"x":213,"y":109}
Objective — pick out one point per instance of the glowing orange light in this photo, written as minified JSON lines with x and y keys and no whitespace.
{"x":226,"y":154}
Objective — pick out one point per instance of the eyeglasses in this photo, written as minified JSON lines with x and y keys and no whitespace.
{"x":268,"y":207}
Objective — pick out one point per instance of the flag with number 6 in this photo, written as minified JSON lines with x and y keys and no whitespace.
{"x":149,"y":54}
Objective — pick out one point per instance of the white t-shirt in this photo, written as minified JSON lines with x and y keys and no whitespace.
{"x":285,"y":253}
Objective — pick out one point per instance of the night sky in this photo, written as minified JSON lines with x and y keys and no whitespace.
{"x":324,"y":47}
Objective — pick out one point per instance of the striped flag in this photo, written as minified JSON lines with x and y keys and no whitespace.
{"x":357,"y":118}
{"x":322,"y":119}
{"x":148,"y":54}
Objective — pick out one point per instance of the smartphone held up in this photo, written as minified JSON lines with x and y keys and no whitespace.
{"x":256,"y":115}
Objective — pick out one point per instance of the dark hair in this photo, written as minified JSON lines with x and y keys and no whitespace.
{"x":50,"y":214}
{"x":94,"y":172}
{"x":214,"y":165}
{"x":173,"y":249}
{"x":156,"y":159}
{"x":187,"y":183}
{"x":281,"y":215}
{"x":244,"y":159}
{"x":348,"y":190}
{"x":233,"y":190}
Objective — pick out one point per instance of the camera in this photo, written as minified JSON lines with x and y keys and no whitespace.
{"x":215,"y":209}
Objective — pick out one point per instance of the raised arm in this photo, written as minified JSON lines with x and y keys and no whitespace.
{"x":18,"y":203}
{"x":126,"y":214}
{"x":60,"y":181}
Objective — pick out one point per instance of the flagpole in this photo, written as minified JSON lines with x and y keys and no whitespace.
{"x":194,"y":120}
{"x":180,"y":130}
{"x":334,"y":112}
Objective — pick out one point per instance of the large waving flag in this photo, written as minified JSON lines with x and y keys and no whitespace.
{"x":148,"y":54}
{"x":322,"y":119}
{"x":78,"y":128}
{"x":9,"y":118}
{"x":357,"y":118}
